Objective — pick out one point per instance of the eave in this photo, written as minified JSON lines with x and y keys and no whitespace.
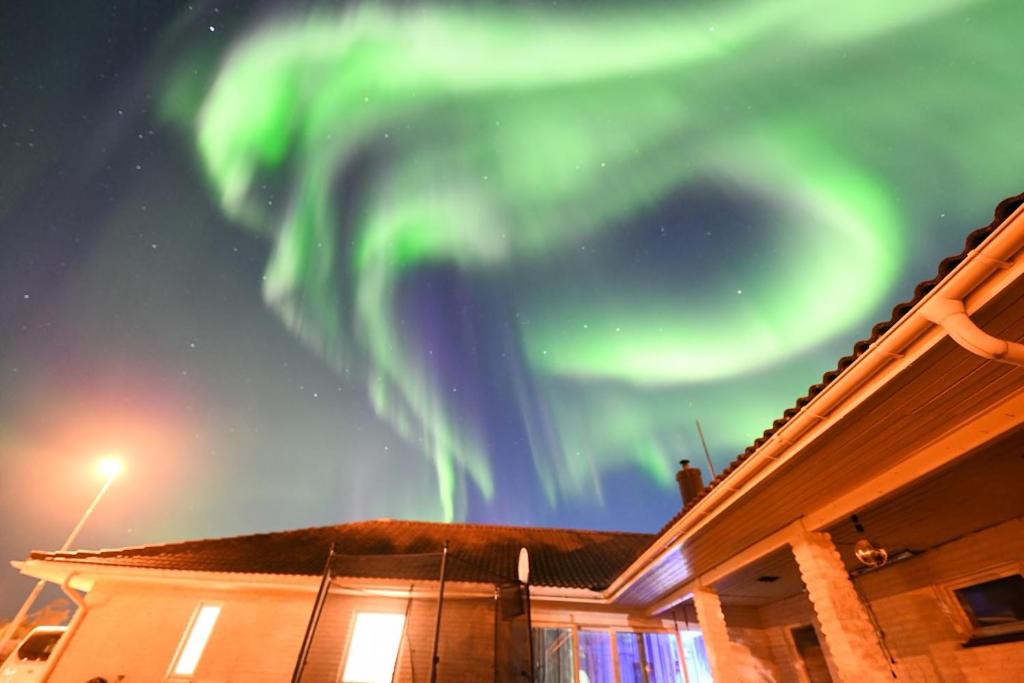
{"x":982,"y":275}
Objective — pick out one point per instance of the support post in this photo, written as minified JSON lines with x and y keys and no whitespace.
{"x":437,"y":622}
{"x":314,"y":617}
{"x":850,"y":639}
{"x":716,"y":634}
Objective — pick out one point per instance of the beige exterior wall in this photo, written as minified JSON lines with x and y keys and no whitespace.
{"x":465,"y":651}
{"x":133,"y":630}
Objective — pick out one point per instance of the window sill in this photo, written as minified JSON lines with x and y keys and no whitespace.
{"x":994,"y":639}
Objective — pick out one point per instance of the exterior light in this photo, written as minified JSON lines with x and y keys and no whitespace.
{"x":866,"y":552}
{"x":110,"y":467}
{"x":870,"y":555}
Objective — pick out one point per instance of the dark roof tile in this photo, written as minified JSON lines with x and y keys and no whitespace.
{"x":394,"y":549}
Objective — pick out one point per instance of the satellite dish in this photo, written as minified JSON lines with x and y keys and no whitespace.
{"x":524,"y":566}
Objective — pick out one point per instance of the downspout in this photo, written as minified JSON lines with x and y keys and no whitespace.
{"x":73,"y":625}
{"x":952,"y":317}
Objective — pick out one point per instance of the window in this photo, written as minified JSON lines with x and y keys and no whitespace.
{"x":698,"y":670}
{"x":994,"y":608}
{"x":373,"y":647}
{"x":552,"y":655}
{"x":596,"y":664}
{"x":648,"y":658}
{"x":38,"y":646}
{"x":194,"y":642}
{"x":603,"y":655}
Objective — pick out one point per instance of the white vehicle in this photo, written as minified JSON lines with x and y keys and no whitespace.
{"x":28,"y":661}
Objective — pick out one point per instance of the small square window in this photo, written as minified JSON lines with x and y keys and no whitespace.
{"x":373,"y":647}
{"x":194,"y":641}
{"x":994,"y":607}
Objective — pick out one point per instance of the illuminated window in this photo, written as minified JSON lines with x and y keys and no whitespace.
{"x":596,"y":657}
{"x":195,"y":639}
{"x":373,"y":648}
{"x":698,"y":670}
{"x":648,"y":658}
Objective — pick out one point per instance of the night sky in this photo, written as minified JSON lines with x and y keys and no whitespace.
{"x":307,"y":263}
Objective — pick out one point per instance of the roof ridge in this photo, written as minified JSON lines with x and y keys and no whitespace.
{"x":482,"y":525}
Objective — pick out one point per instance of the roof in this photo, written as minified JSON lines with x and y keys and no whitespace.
{"x":393,"y":549}
{"x":1002,"y":211}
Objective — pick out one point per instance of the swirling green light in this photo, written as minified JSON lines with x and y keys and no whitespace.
{"x":494,"y":139}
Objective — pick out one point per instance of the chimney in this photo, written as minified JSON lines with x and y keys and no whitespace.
{"x":690,"y":481}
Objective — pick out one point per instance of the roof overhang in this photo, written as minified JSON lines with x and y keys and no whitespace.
{"x":84,"y":576}
{"x":982,"y":275}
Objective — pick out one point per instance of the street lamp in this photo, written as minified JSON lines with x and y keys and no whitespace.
{"x":110,"y":467}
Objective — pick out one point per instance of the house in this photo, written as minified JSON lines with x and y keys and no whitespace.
{"x":875,"y":531}
{"x":253,"y":598}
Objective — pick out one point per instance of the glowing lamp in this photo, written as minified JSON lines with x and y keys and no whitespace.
{"x":110,"y":467}
{"x":870,"y":555}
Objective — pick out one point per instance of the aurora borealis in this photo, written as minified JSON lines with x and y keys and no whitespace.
{"x":470,"y":260}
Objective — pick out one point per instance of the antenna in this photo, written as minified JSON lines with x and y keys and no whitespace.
{"x":705,"y":445}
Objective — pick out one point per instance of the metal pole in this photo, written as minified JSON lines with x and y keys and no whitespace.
{"x":314,"y":617}
{"x":529,"y":630}
{"x":437,"y":623}
{"x":12,"y":628}
{"x":706,"y":453}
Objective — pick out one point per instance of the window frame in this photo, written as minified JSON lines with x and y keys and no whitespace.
{"x":611,"y":629}
{"x":573,"y":639}
{"x":340,"y":677}
{"x":186,"y":635}
{"x":971,"y":635}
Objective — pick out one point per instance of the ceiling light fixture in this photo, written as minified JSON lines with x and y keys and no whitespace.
{"x":866,"y":552}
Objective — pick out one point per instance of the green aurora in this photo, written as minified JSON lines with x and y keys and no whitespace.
{"x":521,"y":147}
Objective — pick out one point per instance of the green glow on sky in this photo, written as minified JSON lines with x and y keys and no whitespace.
{"x":501,"y":141}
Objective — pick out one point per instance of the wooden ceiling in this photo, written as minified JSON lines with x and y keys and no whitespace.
{"x":747,"y":586}
{"x":975,"y":492}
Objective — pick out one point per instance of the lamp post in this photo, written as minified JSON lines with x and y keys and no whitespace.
{"x":110,"y":468}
